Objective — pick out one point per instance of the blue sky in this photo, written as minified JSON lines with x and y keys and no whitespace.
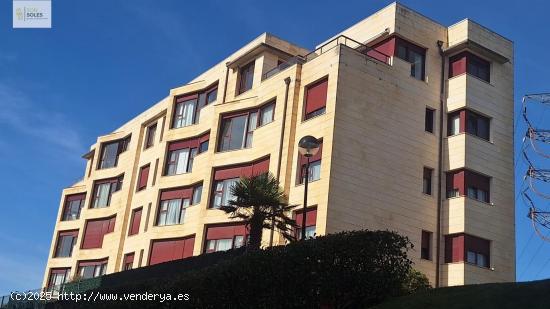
{"x":104,"y":62}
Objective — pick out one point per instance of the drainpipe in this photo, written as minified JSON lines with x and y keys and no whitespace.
{"x":225,"y":82}
{"x":440,"y":166}
{"x":279,"y":162}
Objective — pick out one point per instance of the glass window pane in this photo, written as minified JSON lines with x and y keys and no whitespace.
{"x":455,"y":126}
{"x":197,"y":194}
{"x":239,"y":241}
{"x":211,"y":245}
{"x":110,"y":152}
{"x":102,"y":195}
{"x":211,"y":96}
{"x":173,"y":213}
{"x":315,"y":170}
{"x":310,"y":231}
{"x":267,"y":114}
{"x":182,"y":160}
{"x":472,"y":192}
{"x":224,"y":244}
{"x":471,"y":257}
{"x":238,"y":128}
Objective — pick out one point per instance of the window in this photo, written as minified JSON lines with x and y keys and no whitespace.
{"x":468,"y":183}
{"x":467,"y":62}
{"x":311,"y":222}
{"x":426,"y":245}
{"x":414,"y":54}
{"x":212,"y":95}
{"x":469,"y":122}
{"x":128,"y":261}
{"x":427,"y":181}
{"x":187,"y":108}
{"x":135,"y":222}
{"x":477,"y":125}
{"x":174,"y":202}
{"x":92,"y":269}
{"x":165,"y":250}
{"x":73,"y":206}
{"x":104,"y":189}
{"x":181,"y":154}
{"x":467,"y":248}
{"x":246,"y":77}
{"x":150,"y":135}
{"x":315,"y":98}
{"x":143,"y":177}
{"x":95,"y":230}
{"x":226,"y":237}
{"x":237,"y":130}
{"x":223,"y":193}
{"x":66,"y":240}
{"x":226,"y":177}
{"x":267,"y":114}
{"x":314,"y":165}
{"x":111,"y":151}
{"x":58,"y":277}
{"x":429,"y":120}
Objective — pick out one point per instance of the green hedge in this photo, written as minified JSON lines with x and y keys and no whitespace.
{"x":345,"y":270}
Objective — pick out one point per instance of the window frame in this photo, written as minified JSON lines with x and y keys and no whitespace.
{"x":410,"y":47}
{"x":115,"y":185}
{"x":249,"y":126}
{"x":67,"y":207}
{"x":427,"y":188}
{"x":429,"y":126}
{"x":182,"y":206}
{"x":150,"y":134}
{"x":122,"y":146}
{"x":249,"y":69}
{"x":317,"y":112}
{"x":423,"y":246}
{"x":59,"y":242}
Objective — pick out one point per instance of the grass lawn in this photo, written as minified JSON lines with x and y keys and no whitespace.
{"x":528,"y":295}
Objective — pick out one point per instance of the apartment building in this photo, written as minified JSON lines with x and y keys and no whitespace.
{"x":416,"y":124}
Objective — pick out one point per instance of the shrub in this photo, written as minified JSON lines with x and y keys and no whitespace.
{"x":344,"y":270}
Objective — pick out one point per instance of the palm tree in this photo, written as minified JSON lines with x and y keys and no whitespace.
{"x":260,"y":203}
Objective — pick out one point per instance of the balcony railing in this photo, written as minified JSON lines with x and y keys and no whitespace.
{"x":342,"y":39}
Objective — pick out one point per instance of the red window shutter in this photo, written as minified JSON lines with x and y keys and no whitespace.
{"x":311,"y":217}
{"x":93,"y":235}
{"x":95,"y":230}
{"x":136,"y":220}
{"x":383,"y":49}
{"x":143,"y":177}
{"x":457,"y":65}
{"x":227,"y":231}
{"x":458,"y":248}
{"x":316,"y":96}
{"x":477,"y":244}
{"x":204,"y":138}
{"x":92,"y":263}
{"x":58,"y":270}
{"x":76,"y":197}
{"x":260,"y":167}
{"x":455,"y":180}
{"x":186,"y":97}
{"x":181,"y":193}
{"x":129,"y":258}
{"x":165,"y":250}
{"x":73,"y":233}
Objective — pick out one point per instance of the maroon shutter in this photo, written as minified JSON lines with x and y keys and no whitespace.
{"x":454,"y":248}
{"x":129,"y":258}
{"x":225,"y":232}
{"x":92,"y":263}
{"x":457,"y":65}
{"x":228,"y":173}
{"x":383,"y":50}
{"x":73,"y":233}
{"x":182,"y":144}
{"x":455,"y":180}
{"x":136,"y":220}
{"x":165,"y":250}
{"x":316,"y":96}
{"x":58,"y":270}
{"x":260,"y":167}
{"x":311,"y":217}
{"x":186,"y":97}
{"x":204,"y":138}
{"x":76,"y":197}
{"x":181,"y":193}
{"x":93,"y":235}
{"x":95,"y":230}
{"x":478,"y":181}
{"x":143,"y":177}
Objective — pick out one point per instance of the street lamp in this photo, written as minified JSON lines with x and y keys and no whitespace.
{"x":308,"y":147}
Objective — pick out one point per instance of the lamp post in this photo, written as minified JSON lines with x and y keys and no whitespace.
{"x":308,"y":147}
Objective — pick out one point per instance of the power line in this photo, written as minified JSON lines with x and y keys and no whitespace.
{"x":542,"y":268}
{"x":532,"y":259}
{"x":526,"y":245}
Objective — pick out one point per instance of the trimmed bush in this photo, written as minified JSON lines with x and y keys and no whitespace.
{"x":344,"y":270}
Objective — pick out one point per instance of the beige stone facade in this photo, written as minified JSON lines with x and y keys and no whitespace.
{"x":375,"y":149}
